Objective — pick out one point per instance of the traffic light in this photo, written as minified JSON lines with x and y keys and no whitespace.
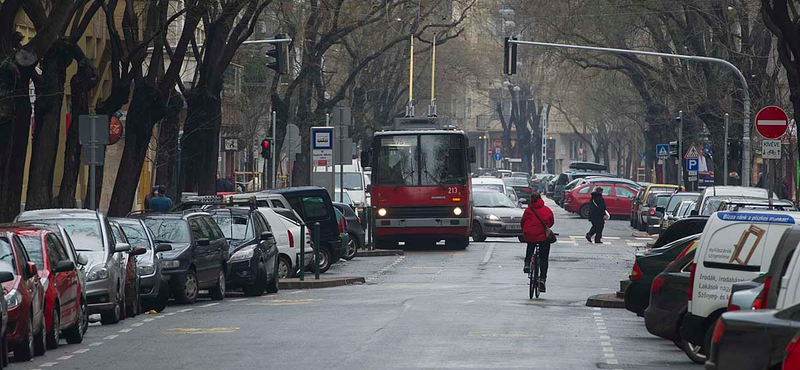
{"x":510,"y":57}
{"x":673,"y":149}
{"x":280,"y":52}
{"x":734,"y":151}
{"x":266,"y":149}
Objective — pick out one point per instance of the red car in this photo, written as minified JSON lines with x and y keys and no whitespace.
{"x":792,"y":359}
{"x":618,"y":199}
{"x":25,"y":297}
{"x":63,"y":308}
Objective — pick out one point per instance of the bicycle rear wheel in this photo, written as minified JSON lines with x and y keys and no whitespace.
{"x":531,"y":283}
{"x":536,"y":274}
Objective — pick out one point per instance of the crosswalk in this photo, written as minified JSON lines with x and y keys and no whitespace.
{"x":610,"y":241}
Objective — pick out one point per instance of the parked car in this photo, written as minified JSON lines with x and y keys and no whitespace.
{"x":501,"y":174}
{"x":641,"y":197}
{"x":671,"y":208}
{"x":494,"y":214}
{"x":199,"y":256}
{"x":25,"y":299}
{"x":263,"y":199}
{"x":646,"y":267}
{"x":734,"y":204}
{"x":133,"y":305}
{"x":681,"y":228}
{"x":91,"y":233}
{"x":734,"y":246}
{"x":657,"y":204}
{"x":617,"y":197}
{"x":5,"y":276}
{"x":314,"y":205}
{"x":679,"y":211}
{"x":521,"y":186}
{"x":253,"y":263}
{"x":607,"y":180}
{"x":539,"y":181}
{"x":285,"y":223}
{"x":153,"y":288}
{"x":64,"y":309}
{"x":664,"y":313}
{"x":565,"y":178}
{"x":792,"y":359}
{"x":346,"y":200}
{"x":495,"y":184}
{"x":355,"y":232}
{"x":717,"y":194}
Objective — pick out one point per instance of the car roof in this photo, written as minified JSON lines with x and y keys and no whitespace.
{"x":485,"y":190}
{"x":744,"y":191}
{"x":297,"y":190}
{"x":25,"y":229}
{"x":52,"y":213}
{"x":488,"y":180}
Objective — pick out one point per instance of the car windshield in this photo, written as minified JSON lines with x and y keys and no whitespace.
{"x":33,"y":245}
{"x":492,"y":199}
{"x":236,"y":228}
{"x":338,"y":197}
{"x":85,"y":233}
{"x":662,"y":201}
{"x":137,"y":236}
{"x":169,"y":230}
{"x":678,"y":198}
{"x":6,"y":256}
{"x":420,"y":160}
{"x":352,"y":181}
{"x":495,"y":187}
{"x":516,"y":181}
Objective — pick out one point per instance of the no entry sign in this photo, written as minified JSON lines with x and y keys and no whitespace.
{"x":771,"y":122}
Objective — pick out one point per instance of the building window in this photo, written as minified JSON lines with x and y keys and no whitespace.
{"x":575,"y":149}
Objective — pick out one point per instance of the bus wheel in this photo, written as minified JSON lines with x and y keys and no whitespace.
{"x":459,"y":243}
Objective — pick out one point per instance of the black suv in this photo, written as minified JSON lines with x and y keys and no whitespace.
{"x":199,"y":255}
{"x":253,"y":265}
{"x":313,"y":203}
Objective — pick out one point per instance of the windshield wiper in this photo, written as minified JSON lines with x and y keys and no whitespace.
{"x":435,"y":180}
{"x":404,"y":180}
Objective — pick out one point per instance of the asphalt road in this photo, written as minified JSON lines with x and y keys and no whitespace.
{"x":427,"y":309}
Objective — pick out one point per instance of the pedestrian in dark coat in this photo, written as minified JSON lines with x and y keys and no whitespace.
{"x":597,"y":216}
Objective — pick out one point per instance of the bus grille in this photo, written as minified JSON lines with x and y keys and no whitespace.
{"x":421,"y":212}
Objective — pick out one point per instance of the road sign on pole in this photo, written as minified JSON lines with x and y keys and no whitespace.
{"x":771,"y":149}
{"x":692,"y":153}
{"x":662,"y":151}
{"x":498,"y":156}
{"x":772,"y":122}
{"x":692,"y":165}
{"x":322,"y":156}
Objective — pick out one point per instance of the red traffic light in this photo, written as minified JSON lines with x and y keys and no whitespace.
{"x":265,"y":144}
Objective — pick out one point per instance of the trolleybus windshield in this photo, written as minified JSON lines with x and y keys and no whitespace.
{"x":420,"y":160}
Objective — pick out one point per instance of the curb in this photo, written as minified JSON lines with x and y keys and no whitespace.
{"x":379,"y":253}
{"x":311,"y":283}
{"x":605,"y":301}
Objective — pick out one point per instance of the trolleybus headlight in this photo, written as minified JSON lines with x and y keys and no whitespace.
{"x":382,"y":212}
{"x":456,"y":211}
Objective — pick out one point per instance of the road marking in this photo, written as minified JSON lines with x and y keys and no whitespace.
{"x":488,"y":255}
{"x":199,"y":330}
{"x":210,"y":304}
{"x":605,"y":343}
{"x":609,"y":355}
{"x":64,"y":358}
{"x":110,"y":337}
{"x":611,"y":237}
{"x":649,"y":239}
{"x":239,"y":300}
{"x":184,"y":310}
{"x":284,"y":302}
{"x":137,"y":324}
{"x":505,"y":335}
{"x":82,"y":350}
{"x":382,"y":270}
{"x":608,"y":349}
{"x":612,"y":361}
{"x":604,"y":337}
{"x":48,"y":364}
{"x":125,"y":330}
{"x":169,"y":313}
{"x":95,"y":344}
{"x":148,"y":320}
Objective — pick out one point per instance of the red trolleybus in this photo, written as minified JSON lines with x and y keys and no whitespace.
{"x":421,"y":185}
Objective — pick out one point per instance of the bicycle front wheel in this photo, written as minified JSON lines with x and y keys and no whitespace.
{"x":536,"y":276}
{"x":531,"y":284}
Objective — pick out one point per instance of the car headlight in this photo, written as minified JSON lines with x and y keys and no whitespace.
{"x":381,"y":212}
{"x":98,"y":272}
{"x":13,"y":298}
{"x":492,"y":218}
{"x":244,"y":254}
{"x":457,"y":211}
{"x":170,"y":264}
{"x":147,"y":269}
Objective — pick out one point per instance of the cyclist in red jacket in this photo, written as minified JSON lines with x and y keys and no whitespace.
{"x":534,"y":229}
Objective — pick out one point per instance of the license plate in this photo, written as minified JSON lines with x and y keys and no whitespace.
{"x":513,"y":227}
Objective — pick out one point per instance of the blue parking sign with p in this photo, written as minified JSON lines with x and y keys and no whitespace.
{"x":692,"y":164}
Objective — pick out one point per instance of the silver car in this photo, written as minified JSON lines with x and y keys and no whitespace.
{"x":494,"y":214}
{"x":91,"y":234}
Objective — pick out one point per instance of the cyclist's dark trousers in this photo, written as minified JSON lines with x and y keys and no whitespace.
{"x":544,"y":254}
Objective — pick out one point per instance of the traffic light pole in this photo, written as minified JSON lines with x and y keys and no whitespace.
{"x":725,"y":156}
{"x":742,"y":81}
{"x":272,"y":149}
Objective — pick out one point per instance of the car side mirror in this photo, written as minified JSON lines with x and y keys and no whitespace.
{"x":32,"y":270}
{"x":366,"y":158}
{"x":163,"y":247}
{"x":472,"y":155}
{"x":203,"y":242}
{"x":266,"y":235}
{"x":138,"y":251}
{"x":122,"y":247}
{"x":524,"y":200}
{"x":6,"y":276}
{"x":660,"y":209}
{"x":82,"y":260}
{"x":64,"y":266}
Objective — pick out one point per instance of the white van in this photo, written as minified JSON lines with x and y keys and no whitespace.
{"x":355,"y":182}
{"x":287,"y":238}
{"x":495,"y":184}
{"x":734,"y":247}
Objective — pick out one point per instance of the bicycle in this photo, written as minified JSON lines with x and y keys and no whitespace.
{"x":533,"y":273}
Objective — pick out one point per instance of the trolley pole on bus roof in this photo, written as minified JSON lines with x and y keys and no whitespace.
{"x":512,"y":62}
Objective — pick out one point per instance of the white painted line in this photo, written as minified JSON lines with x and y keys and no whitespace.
{"x":596,"y":308}
{"x":608,"y":349}
{"x":48,"y":364}
{"x":602,"y":331}
{"x":565,"y":241}
{"x":210,"y":304}
{"x":110,"y":337}
{"x":597,"y":313}
{"x":605,"y":343}
{"x":488,"y":255}
{"x":160,"y":317}
{"x":64,"y":358}
{"x":125,"y":330}
{"x":604,"y":337}
{"x":578,"y":237}
{"x":612,"y":362}
{"x":184,"y":310}
{"x":609,"y":355}
{"x":95,"y":344}
{"x":239,"y":300}
{"x":137,"y":324}
{"x":82,"y":350}
{"x":650,"y":239}
{"x":169,"y":313}
{"x":611,"y":237}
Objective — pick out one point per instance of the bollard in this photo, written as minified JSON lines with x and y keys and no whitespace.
{"x":302,"y":250}
{"x":368,"y":228}
{"x":316,"y":250}
{"x":373,"y":218}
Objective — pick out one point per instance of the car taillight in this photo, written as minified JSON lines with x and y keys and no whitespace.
{"x":291,"y":239}
{"x":657,"y":283}
{"x":691,"y":282}
{"x":685,"y":250}
{"x":793,"y":345}
{"x":527,"y":190}
{"x":719,"y":329}
{"x":761,"y":300}
{"x":652,"y":211}
{"x":732,"y":307}
{"x":636,"y":273}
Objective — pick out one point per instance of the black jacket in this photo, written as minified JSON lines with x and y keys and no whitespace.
{"x":597,"y":207}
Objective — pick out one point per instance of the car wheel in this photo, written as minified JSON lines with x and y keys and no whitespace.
{"x":695,"y":353}
{"x":74,"y":335}
{"x":284,"y":267}
{"x":260,"y":285}
{"x":24,"y":351}
{"x":324,"y":260}
{"x":584,"y":211}
{"x":53,"y":335}
{"x":40,"y":340}
{"x":217,"y":293}
{"x":272,"y":286}
{"x":477,"y":232}
{"x":186,"y":291}
{"x":352,"y":247}
{"x":160,"y":303}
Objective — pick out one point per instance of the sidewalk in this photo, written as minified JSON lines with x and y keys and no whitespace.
{"x":323,"y":282}
{"x":379,"y":252}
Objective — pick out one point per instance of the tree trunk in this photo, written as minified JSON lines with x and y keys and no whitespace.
{"x":167,"y":157}
{"x":17,"y":129}
{"x":200,"y":145}
{"x":146,"y":109}
{"x":47,"y":125}
{"x":84,"y":80}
